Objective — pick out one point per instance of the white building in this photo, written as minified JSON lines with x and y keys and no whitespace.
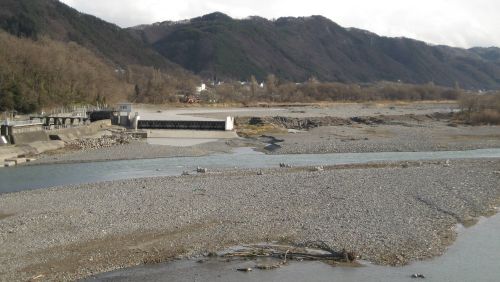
{"x":201,"y":88}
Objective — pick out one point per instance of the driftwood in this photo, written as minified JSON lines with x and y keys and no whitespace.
{"x":310,"y":251}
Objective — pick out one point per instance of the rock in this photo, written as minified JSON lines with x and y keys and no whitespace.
{"x":248,"y":269}
{"x":201,"y":170}
{"x":101,"y":142}
{"x":260,"y":172}
{"x":9,"y":164}
{"x":283,"y":165}
{"x":418,"y":275}
{"x":352,"y":256}
{"x":318,"y":168}
{"x":185,"y":173}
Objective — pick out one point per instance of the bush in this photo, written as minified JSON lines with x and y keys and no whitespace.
{"x":480,"y":109}
{"x":485,"y":117}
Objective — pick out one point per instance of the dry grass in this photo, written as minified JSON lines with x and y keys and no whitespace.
{"x":247,"y":130}
{"x":486,"y":116}
{"x":480,"y":109}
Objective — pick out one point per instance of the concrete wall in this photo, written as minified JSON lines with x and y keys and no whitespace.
{"x":22,"y":134}
{"x":29,"y":137}
{"x":78,"y":132}
{"x":26,"y":135}
{"x":35,"y":148}
{"x":26,"y":128}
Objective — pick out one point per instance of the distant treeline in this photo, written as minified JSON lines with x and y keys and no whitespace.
{"x":314,"y":91}
{"x":154,"y":86}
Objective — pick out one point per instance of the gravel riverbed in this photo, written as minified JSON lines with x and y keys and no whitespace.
{"x":389,"y":214}
{"x":409,"y":137}
{"x":141,"y":150}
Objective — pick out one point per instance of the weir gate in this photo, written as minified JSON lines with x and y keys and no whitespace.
{"x":181,"y":124}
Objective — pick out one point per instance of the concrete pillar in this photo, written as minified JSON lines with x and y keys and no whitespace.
{"x":229,"y":123}
{"x":135,"y":123}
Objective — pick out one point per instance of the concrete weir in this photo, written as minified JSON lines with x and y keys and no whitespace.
{"x":182,"y":124}
{"x":187,"y":124}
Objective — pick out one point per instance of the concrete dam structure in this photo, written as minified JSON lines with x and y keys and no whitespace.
{"x":169,"y":120}
{"x":60,"y":121}
{"x":186,"y":124}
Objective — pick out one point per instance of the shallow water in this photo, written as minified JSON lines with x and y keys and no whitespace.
{"x":475,"y":256}
{"x":178,"y":142}
{"x":22,"y":178}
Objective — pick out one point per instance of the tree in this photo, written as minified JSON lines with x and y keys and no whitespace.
{"x":6,"y":100}
{"x":137,"y":91}
{"x":271,"y":86}
{"x":253,"y":86}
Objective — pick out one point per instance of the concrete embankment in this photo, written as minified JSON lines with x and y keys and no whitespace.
{"x":67,"y":134}
{"x":34,"y":148}
{"x":35,"y":143}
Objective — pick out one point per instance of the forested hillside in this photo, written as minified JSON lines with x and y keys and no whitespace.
{"x":46,"y":73}
{"x":296,"y":49}
{"x":51,"y":18}
{"x":55,"y":55}
{"x":41,"y":74}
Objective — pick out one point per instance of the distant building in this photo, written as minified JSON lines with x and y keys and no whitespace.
{"x":201,"y":88}
{"x":125,"y":107}
{"x":124,"y":114}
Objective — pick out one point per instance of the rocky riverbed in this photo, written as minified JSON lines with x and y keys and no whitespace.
{"x":318,"y":135}
{"x":408,"y":137}
{"x":329,"y":128}
{"x":387,"y":213}
{"x":140,"y":149}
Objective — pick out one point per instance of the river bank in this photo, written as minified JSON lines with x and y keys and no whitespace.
{"x":473,"y":257}
{"x":313,"y":129}
{"x":388,"y":214}
{"x":430,"y":136}
{"x":407,"y":136}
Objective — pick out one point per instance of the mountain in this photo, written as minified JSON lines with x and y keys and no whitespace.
{"x":37,"y":18}
{"x":296,"y":49}
{"x":490,"y":54}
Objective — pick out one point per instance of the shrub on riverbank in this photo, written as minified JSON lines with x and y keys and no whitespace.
{"x":480,"y":109}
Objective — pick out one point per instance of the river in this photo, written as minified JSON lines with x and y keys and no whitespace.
{"x":32,"y":177}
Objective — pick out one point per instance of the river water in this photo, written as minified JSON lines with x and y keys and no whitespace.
{"x":474,"y":257}
{"x":22,"y":178}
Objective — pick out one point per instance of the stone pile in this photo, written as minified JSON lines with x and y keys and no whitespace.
{"x":104,"y":141}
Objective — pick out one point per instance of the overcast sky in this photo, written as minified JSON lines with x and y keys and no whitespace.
{"x":461,"y":23}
